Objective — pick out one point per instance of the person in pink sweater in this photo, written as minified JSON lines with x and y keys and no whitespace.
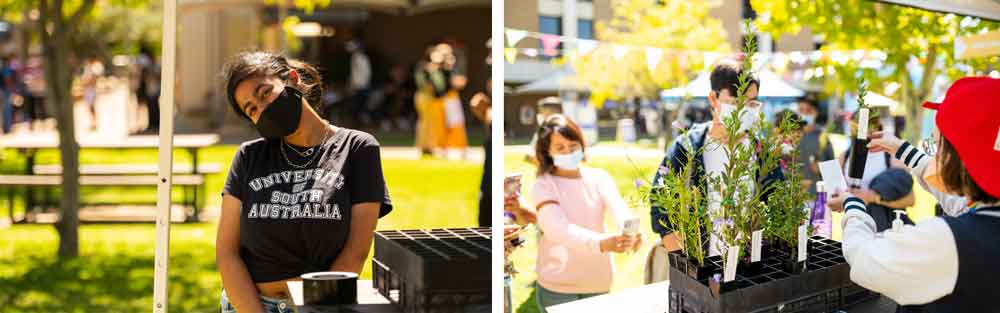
{"x":574,"y":249}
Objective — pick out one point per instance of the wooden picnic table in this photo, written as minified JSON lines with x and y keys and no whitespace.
{"x":29,"y":144}
{"x":369,"y":301}
{"x":653,"y":298}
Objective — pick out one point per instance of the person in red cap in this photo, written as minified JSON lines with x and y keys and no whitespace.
{"x":946,"y":263}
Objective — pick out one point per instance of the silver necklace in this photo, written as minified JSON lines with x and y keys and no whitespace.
{"x":304,"y":154}
{"x":307,"y":153}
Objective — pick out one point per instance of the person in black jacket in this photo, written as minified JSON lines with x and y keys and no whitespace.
{"x":724,"y":79}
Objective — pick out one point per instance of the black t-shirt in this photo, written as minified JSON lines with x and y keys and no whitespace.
{"x":296,"y":220}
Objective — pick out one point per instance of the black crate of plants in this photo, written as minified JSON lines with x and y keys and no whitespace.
{"x":437,"y":270}
{"x":775,"y":284}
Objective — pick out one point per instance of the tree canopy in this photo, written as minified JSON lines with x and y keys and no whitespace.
{"x":919,"y":45}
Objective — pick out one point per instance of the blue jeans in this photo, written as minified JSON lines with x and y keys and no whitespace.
{"x":546,"y":298}
{"x":271,"y":305}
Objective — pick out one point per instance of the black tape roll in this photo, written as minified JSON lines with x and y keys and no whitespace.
{"x":329,"y":288}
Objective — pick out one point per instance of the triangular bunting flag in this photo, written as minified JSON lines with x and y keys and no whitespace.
{"x":584,"y":46}
{"x":549,"y":44}
{"x":619,"y":51}
{"x":530,"y":52}
{"x":653,"y":57}
{"x":514,"y":36}
{"x":510,"y":54}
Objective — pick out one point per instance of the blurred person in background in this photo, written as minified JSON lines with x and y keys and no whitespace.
{"x":360,"y":82}
{"x":92,"y":70}
{"x":398,"y":105}
{"x":34,"y":92}
{"x":455,"y":137}
{"x":148,"y":88}
{"x":433,"y":83}
{"x":814,"y":147}
{"x":482,"y":108}
{"x":8,"y":89}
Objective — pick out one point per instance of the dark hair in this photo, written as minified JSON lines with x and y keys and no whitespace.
{"x":261,"y":63}
{"x":726,"y":76}
{"x":556,"y":123}
{"x":809,"y":99}
{"x":956,"y":178}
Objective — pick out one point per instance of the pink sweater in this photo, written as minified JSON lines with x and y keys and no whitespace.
{"x":569,"y":255}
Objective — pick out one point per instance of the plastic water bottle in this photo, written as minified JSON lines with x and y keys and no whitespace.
{"x":818,"y":218}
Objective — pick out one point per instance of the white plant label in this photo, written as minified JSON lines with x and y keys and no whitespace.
{"x":756,"y":240}
{"x":863,"y":124}
{"x":803,"y":239}
{"x":732,"y":258}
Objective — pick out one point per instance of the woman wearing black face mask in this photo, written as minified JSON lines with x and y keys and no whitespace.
{"x":304,"y":198}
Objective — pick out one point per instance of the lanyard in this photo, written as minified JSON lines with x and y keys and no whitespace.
{"x":981,"y":208}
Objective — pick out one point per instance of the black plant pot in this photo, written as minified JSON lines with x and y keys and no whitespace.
{"x":749,"y":269}
{"x":689,"y":266}
{"x":698,"y":272}
{"x":791,"y":263}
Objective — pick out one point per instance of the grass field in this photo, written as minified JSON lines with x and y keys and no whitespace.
{"x":114,"y":272}
{"x":628,"y":268}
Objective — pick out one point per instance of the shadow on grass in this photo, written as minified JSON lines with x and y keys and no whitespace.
{"x":107,"y":283}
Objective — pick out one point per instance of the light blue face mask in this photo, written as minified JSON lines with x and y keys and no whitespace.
{"x":569,"y":161}
{"x":809,"y":119}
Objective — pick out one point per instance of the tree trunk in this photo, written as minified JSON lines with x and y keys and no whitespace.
{"x":56,"y":54}
{"x":915,"y":97}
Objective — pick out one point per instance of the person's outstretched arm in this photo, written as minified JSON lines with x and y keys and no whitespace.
{"x":918,"y":161}
{"x":915,"y":265}
{"x":555,"y":225}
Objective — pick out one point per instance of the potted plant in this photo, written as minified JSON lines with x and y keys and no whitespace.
{"x":739,"y":189}
{"x":684,"y":204}
{"x":786,"y":215}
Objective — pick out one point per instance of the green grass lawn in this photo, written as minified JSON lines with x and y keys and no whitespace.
{"x":114,"y":272}
{"x":628,"y":267}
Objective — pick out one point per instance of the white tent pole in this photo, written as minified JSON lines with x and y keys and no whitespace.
{"x":163,"y":203}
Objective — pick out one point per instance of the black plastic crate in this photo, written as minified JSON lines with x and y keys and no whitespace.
{"x":825,"y":286}
{"x":438,"y":270}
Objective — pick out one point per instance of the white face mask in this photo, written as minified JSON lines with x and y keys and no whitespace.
{"x":747,"y":118}
{"x":569,"y":161}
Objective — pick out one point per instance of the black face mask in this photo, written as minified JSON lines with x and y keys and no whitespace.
{"x":281,"y":118}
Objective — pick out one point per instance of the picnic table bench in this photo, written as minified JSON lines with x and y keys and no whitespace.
{"x":126,"y":169}
{"x":34,"y":176}
{"x":189,"y":183}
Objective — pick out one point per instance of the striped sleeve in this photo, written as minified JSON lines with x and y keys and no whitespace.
{"x":854,"y":203}
{"x":910,"y":155}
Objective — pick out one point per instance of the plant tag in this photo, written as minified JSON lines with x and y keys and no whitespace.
{"x":803,"y":239}
{"x":863,"y":124}
{"x":732,"y":259}
{"x":756,"y":240}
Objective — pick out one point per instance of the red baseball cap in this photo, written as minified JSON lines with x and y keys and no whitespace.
{"x":969,"y":117}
